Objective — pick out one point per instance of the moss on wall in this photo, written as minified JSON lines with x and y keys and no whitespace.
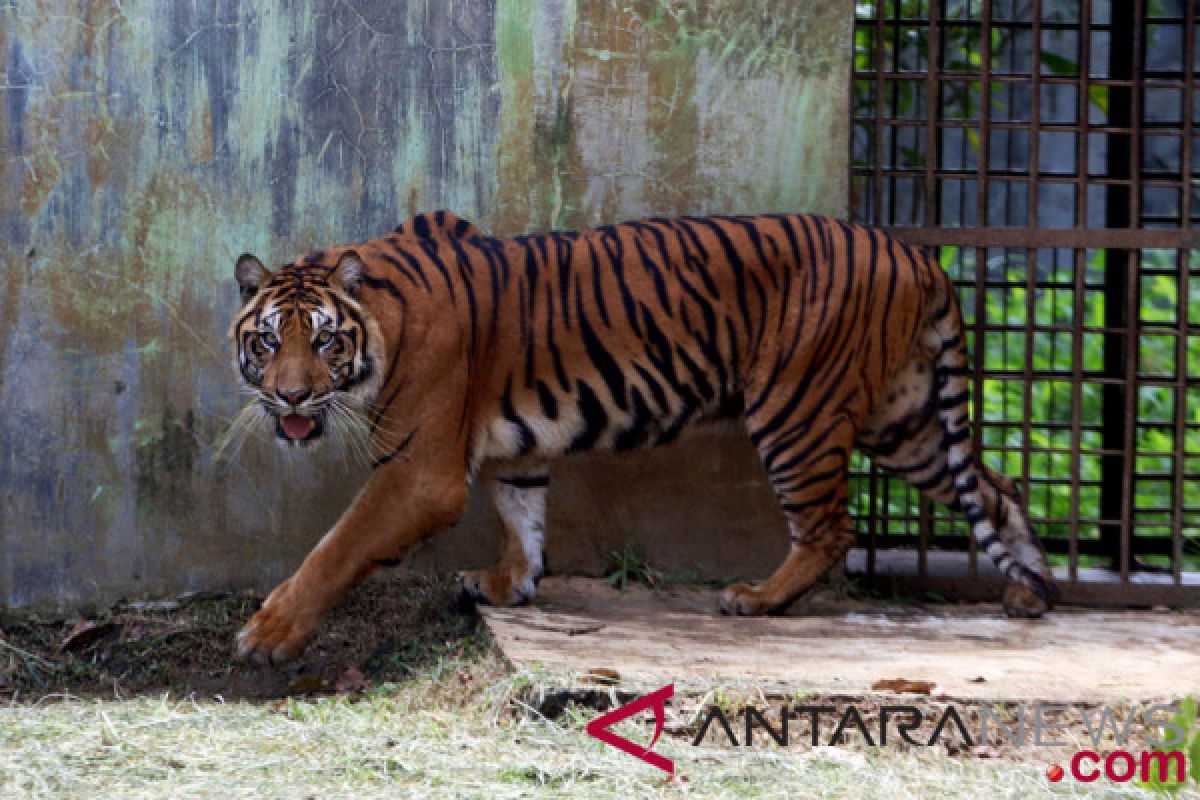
{"x":616,"y":110}
{"x":143,"y":145}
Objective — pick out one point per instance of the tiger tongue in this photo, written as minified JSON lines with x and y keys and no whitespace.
{"x":297,"y":426}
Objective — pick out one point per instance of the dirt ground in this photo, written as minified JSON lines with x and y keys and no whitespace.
{"x":388,"y":629}
{"x":401,"y":624}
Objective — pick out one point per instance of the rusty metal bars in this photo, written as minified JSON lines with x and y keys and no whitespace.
{"x":1032,"y":145}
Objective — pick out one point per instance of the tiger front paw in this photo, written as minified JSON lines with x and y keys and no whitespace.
{"x":280,"y":630}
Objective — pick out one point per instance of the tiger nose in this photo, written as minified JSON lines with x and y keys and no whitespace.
{"x":294,"y":396}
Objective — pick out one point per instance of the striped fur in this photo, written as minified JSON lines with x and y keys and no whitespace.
{"x":499,"y":354}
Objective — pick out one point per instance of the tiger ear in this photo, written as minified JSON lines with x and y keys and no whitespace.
{"x":349,"y":272}
{"x":251,"y":274}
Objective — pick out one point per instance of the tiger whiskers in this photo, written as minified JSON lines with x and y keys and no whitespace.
{"x":372,"y":434}
{"x":348,"y":424}
{"x":247,"y":422}
{"x":347,"y":440}
{"x":351,"y":426}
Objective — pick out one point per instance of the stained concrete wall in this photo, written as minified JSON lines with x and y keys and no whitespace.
{"x":144,"y":144}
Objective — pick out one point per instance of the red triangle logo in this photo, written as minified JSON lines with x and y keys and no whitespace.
{"x":599,"y":727}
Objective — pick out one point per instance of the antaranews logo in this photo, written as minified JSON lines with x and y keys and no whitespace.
{"x":657,"y":700}
{"x":1157,"y":761}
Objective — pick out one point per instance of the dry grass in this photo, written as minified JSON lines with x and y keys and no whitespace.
{"x":450,"y":733}
{"x":155,"y":708}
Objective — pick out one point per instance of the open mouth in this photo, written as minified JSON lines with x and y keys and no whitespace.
{"x":297,"y":427}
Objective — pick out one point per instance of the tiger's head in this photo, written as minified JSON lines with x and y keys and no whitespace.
{"x":308,"y":351}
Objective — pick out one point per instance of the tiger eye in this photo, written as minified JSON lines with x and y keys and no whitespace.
{"x":268,"y":339}
{"x":324,"y":338}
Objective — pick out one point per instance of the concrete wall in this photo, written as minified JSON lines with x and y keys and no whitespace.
{"x":144,"y":144}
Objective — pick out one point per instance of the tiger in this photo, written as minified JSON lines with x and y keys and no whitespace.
{"x":453,"y":357}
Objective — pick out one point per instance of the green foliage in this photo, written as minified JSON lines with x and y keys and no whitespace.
{"x":1189,"y":744}
{"x":629,"y":565}
{"x":1023,"y":302}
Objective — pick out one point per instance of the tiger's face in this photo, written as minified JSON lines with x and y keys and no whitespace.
{"x":307,"y":351}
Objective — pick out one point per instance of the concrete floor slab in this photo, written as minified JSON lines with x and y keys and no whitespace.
{"x":831,"y":645}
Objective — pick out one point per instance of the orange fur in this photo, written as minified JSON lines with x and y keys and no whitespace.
{"x":502,"y":351}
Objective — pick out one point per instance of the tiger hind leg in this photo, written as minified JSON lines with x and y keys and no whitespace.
{"x":809,"y":475}
{"x":520,"y":498}
{"x":920,"y":433}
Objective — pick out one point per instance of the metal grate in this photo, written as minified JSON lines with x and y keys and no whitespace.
{"x":1046,"y":151}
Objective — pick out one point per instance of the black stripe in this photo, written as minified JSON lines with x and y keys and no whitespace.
{"x":699,"y":265}
{"x":950,"y":439}
{"x":700,"y":380}
{"x":526,"y":481}
{"x":988,"y":541}
{"x":606,"y":365}
{"x":810,"y":480}
{"x":660,"y":286}
{"x":415,"y":265}
{"x":400,"y":448}
{"x":548,"y":400}
{"x":822,"y":500}
{"x":563,"y":255}
{"x":954,"y":400}
{"x":656,"y":390}
{"x":904,"y":469}
{"x":399,"y":266}
{"x":931,"y":482}
{"x":639,"y":429}
{"x":736,"y":265}
{"x":420,"y":224}
{"x":595,"y":419}
{"x":527,"y":440}
{"x":597,"y":286}
{"x":958,"y":469}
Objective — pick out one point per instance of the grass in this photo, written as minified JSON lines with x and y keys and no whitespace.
{"x":134,"y":713}
{"x":1188,"y":724}
{"x":628,"y":566}
{"x":421,"y":739}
